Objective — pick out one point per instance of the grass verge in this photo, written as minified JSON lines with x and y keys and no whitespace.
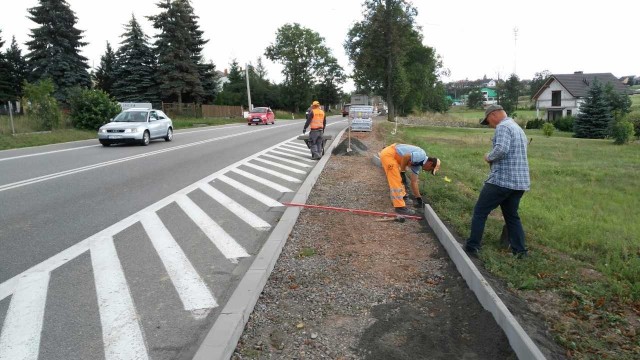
{"x":581,"y":221}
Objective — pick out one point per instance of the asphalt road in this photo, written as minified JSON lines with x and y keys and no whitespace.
{"x":130,"y":251}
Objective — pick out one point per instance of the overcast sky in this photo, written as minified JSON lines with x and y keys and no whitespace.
{"x":474,"y":38}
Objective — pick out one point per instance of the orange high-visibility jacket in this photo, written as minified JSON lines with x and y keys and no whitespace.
{"x":317,"y":121}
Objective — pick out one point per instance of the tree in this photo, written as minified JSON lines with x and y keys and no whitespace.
{"x":510,"y":91}
{"x":54,"y":48}
{"x":17,"y":69}
{"x":233,"y":92}
{"x":475,"y":99}
{"x":619,"y":103}
{"x":595,"y":114}
{"x":105,"y":73}
{"x":42,"y":106}
{"x":178,"y":71}
{"x":6,"y":92}
{"x":538,"y":80}
{"x":330,"y":78}
{"x":301,"y":51}
{"x":90,"y":108}
{"x":135,"y":68}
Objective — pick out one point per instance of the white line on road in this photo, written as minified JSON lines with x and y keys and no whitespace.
{"x":292,"y":162}
{"x":249,"y":191}
{"x":298,"y":157}
{"x":21,"y":183}
{"x":288,"y":168}
{"x":20,"y":338}
{"x":262,"y":181}
{"x":193,"y":292}
{"x":121,"y":330}
{"x":48,"y":152}
{"x":223,"y":241}
{"x":298,"y":145}
{"x":238,"y":210}
{"x":274,"y":173}
{"x":289,"y":149}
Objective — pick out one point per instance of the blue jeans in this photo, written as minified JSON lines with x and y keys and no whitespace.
{"x":490,"y":198}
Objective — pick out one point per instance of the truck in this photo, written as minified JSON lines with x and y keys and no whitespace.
{"x":359,"y":99}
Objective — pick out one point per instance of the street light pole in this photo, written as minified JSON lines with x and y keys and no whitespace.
{"x":248,"y":88}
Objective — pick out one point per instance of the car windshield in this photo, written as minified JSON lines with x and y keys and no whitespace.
{"x":259,"y":110}
{"x":131,"y":116}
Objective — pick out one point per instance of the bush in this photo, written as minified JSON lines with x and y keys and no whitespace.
{"x":535,"y":124}
{"x":41,"y":104}
{"x":564,"y":123}
{"x":622,"y":132}
{"x":548,"y":129}
{"x":91,"y":109}
{"x":634,"y":118}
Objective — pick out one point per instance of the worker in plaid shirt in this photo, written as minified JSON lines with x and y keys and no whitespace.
{"x":507,"y":182}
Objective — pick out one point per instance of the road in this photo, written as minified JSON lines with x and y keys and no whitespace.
{"x":130,"y":252}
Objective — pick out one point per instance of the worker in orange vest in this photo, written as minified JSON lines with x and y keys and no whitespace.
{"x":317,"y":121}
{"x":396,"y":159}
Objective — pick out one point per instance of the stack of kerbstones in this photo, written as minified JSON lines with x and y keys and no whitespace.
{"x":357,"y":148}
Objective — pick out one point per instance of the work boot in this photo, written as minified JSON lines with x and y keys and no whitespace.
{"x":404,"y":211}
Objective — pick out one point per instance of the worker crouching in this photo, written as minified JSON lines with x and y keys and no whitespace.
{"x":317,"y":121}
{"x":396,"y":159}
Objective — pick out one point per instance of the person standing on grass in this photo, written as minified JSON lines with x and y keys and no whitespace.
{"x":317,"y":121}
{"x":507,"y":181}
{"x":395,"y":159}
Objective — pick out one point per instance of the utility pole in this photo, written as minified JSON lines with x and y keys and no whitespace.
{"x":248,"y":88}
{"x":515,"y":48}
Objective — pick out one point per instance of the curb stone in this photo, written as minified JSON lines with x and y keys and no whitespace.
{"x":222,"y":338}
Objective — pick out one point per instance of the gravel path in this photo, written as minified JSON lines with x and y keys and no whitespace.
{"x":350,"y":286}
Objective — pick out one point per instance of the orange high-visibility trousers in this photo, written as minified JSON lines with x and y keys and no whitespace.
{"x":391,"y":165}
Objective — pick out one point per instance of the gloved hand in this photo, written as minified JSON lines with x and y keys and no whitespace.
{"x":419,"y":204}
{"x":304,"y":131}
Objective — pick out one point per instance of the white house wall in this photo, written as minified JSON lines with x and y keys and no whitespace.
{"x":568,"y":102}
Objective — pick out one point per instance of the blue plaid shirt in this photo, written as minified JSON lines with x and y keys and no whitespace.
{"x":509,"y":164}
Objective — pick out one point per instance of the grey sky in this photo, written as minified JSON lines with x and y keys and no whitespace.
{"x":473,"y":38}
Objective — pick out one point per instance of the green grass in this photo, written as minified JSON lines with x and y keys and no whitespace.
{"x":635,"y":102}
{"x":38,"y":139}
{"x":581,"y":213}
{"x":186,"y":122}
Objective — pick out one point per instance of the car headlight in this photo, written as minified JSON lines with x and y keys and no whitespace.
{"x":130,"y":130}
{"x":102,"y":130}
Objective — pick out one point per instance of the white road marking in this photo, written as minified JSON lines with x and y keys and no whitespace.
{"x":223,"y":241}
{"x":121,"y":329}
{"x":289,"y":149}
{"x":288,"y":161}
{"x":238,"y":210}
{"x":262,"y":181}
{"x":298,"y":145}
{"x":48,"y":152}
{"x":250,"y":191}
{"x":299,"y":158}
{"x":193,"y":292}
{"x":288,"y":168}
{"x":20,"y":338}
{"x":38,"y":179}
{"x":274,"y":173}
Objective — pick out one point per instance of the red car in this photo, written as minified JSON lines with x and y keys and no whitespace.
{"x":261,"y":115}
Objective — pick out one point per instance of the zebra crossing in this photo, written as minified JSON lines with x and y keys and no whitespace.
{"x":248,"y":192}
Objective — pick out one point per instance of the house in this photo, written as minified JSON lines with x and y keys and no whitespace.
{"x":562,"y":94}
{"x":223,"y":78}
{"x":490,"y":84}
{"x":490,"y":96}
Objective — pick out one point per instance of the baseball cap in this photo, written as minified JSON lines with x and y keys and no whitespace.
{"x":417,"y":160}
{"x":488,"y":111}
{"x":315,"y":103}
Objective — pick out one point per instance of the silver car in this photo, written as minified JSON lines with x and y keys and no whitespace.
{"x":136,"y":126}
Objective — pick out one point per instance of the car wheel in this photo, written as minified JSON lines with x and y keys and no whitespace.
{"x":145,"y":139}
{"x":169,"y":136}
{"x":104,"y":143}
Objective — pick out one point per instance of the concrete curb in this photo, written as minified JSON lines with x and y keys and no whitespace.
{"x":519,"y":340}
{"x":223,"y":337}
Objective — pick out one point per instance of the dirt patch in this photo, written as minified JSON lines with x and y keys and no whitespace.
{"x":351,"y":147}
{"x":348,"y":286}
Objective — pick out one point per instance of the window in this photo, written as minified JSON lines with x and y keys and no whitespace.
{"x":568,"y":112}
{"x":556,"y":98}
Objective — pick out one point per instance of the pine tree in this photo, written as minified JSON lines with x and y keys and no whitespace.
{"x":135,"y":67}
{"x":54,"y":48}
{"x":105,"y":76}
{"x":18,"y":69}
{"x":595,"y":114}
{"x":178,"y":72}
{"x":6,"y":92}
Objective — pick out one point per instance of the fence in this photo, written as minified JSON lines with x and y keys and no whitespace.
{"x":198,"y":111}
{"x":221,"y":111}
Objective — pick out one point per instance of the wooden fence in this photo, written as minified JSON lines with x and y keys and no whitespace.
{"x":222,"y":111}
{"x":197,"y":110}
